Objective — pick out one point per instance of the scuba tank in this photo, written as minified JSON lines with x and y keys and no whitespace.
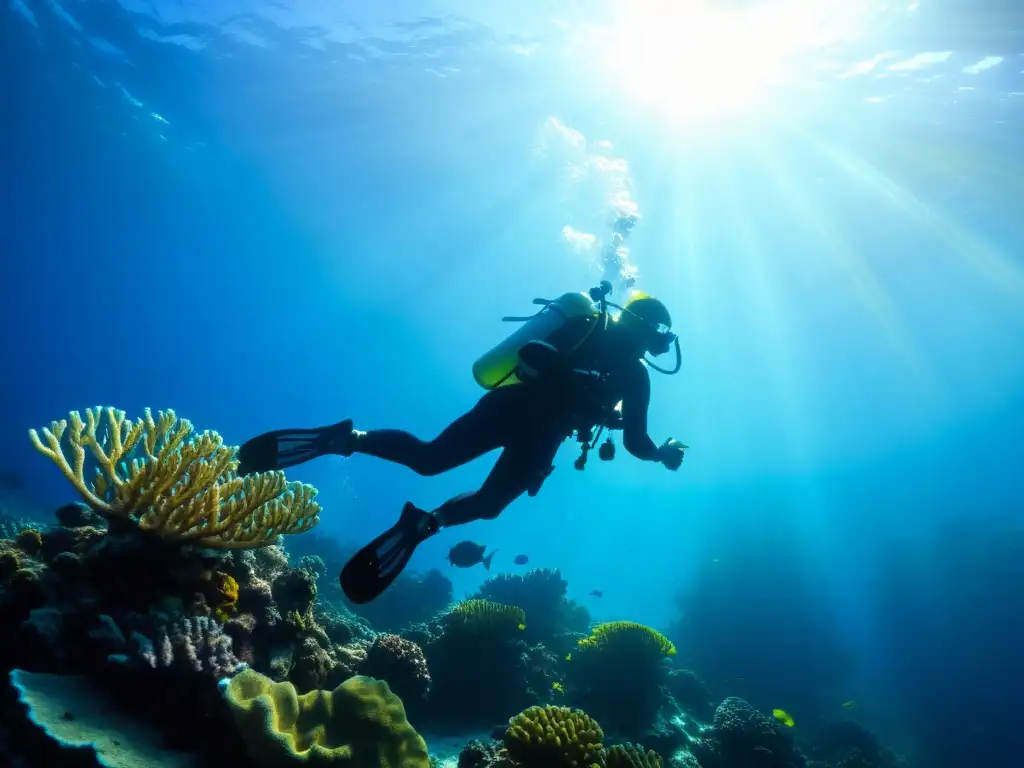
{"x":497,"y":367}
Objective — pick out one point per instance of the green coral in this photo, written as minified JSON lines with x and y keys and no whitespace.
{"x":552,"y":737}
{"x":484,"y":616}
{"x":161,"y":475}
{"x":360,"y":724}
{"x":628,"y":635}
{"x":30,"y":540}
{"x":10,"y":564}
{"x":629,"y":756}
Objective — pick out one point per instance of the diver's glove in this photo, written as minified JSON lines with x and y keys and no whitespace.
{"x":670,"y":453}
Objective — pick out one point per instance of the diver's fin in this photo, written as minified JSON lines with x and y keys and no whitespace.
{"x":284,"y":448}
{"x":375,"y":566}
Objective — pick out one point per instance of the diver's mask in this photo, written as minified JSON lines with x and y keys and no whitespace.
{"x":660,"y":340}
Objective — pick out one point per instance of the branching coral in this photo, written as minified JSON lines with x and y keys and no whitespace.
{"x":184,"y":486}
{"x":196,"y":644}
{"x":549,"y":737}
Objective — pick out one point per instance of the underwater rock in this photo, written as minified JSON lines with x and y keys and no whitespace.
{"x":740,"y":735}
{"x":294,"y":591}
{"x":847,"y":744}
{"x":78,"y":515}
{"x":401,"y":664}
{"x":691,"y":694}
{"x":479,"y":754}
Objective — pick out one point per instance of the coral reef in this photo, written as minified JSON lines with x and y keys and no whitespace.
{"x":553,"y":736}
{"x":618,"y":674}
{"x":413,"y":598}
{"x":168,"y":480}
{"x":740,"y":735}
{"x":148,"y":628}
{"x":401,"y":662}
{"x":360,"y":723}
{"x":475,"y":654}
{"x":630,"y":756}
{"x":691,"y":694}
{"x":541,"y":593}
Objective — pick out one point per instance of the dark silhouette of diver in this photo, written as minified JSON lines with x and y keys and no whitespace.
{"x":569,"y":380}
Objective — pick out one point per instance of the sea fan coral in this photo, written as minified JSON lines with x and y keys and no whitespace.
{"x":165,"y":478}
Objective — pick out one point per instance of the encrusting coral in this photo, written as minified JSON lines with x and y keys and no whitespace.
{"x":361,"y":724}
{"x":165,"y":478}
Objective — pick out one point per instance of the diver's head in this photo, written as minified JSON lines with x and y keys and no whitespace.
{"x":645,"y":323}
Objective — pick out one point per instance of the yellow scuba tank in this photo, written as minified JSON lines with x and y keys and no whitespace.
{"x":497,"y":366}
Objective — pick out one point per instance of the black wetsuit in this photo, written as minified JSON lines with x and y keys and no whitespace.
{"x":529,"y":421}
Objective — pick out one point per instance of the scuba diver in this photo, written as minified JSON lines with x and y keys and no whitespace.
{"x":570,"y":369}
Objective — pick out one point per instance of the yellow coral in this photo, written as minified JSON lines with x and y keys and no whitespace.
{"x":181,"y":485}
{"x":550,"y":737}
{"x":628,"y":633}
{"x":484,"y":616}
{"x":628,"y":756}
{"x":225,"y":590}
{"x":361,"y":724}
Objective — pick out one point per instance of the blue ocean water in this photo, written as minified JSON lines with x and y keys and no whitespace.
{"x":264,"y":216}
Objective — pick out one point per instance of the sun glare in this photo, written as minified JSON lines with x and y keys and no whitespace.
{"x":691,"y":58}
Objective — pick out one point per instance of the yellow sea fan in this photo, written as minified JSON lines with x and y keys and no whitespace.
{"x":628,"y":633}
{"x":183,"y":486}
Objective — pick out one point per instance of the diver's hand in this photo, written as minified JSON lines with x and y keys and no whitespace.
{"x":670,"y":454}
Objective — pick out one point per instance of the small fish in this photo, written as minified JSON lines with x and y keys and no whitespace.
{"x":568,"y":657}
{"x":521,"y":560}
{"x":783,"y":717}
{"x":760,"y":748}
{"x":851,"y":704}
{"x":716,"y":560}
{"x":557,"y":687}
{"x":522,"y":627}
{"x":466,"y":554}
{"x":597,"y":593}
